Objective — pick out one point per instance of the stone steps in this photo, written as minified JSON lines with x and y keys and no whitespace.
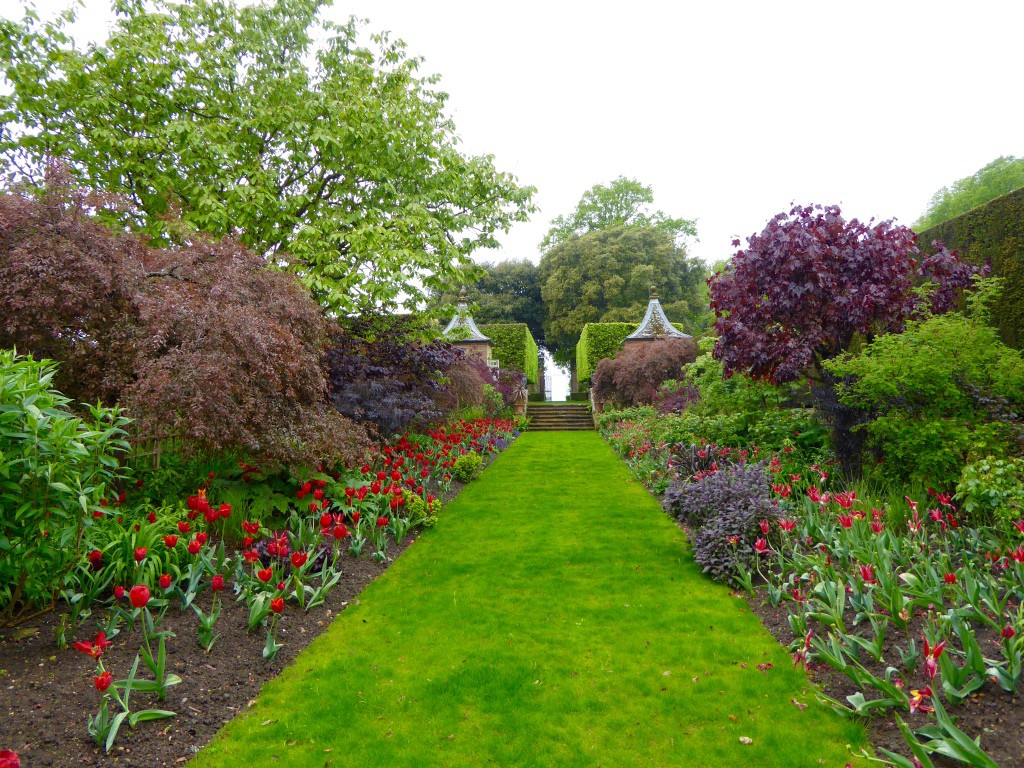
{"x":571,"y":416}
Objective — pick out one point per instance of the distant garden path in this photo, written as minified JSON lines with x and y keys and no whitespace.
{"x":552,"y":618}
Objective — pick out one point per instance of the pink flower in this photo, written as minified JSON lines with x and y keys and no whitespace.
{"x":931,"y":657}
{"x":787,"y":524}
{"x":761,"y":546}
{"x":867,"y":572}
{"x":765,"y":527}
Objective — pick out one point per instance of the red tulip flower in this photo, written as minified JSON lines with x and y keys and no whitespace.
{"x":184,"y":527}
{"x":381,"y":522}
{"x":761,"y":546}
{"x":140,"y":554}
{"x":265,"y":574}
{"x":103,"y":681}
{"x":193,"y":547}
{"x":846,"y":521}
{"x":251,"y":556}
{"x":299,"y":559}
{"x":949,"y":578}
{"x":165,"y":581}
{"x":277,"y":604}
{"x":217,"y":583}
{"x":931,"y":656}
{"x":9,"y":759}
{"x":170,"y":541}
{"x":867,"y":572}
{"x":340,"y":532}
{"x":118,"y":592}
{"x":96,"y":648}
{"x":96,"y":559}
{"x":201,"y":537}
{"x":787,"y":524}
{"x":139,"y":595}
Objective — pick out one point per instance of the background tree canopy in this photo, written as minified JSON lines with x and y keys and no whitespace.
{"x":1000,"y":177}
{"x":624,"y":202}
{"x":606,"y":276}
{"x":507,"y":292}
{"x":334,"y":159}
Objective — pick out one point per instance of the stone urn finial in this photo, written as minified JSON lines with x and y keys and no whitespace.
{"x":654,"y":291}
{"x":462,"y":294}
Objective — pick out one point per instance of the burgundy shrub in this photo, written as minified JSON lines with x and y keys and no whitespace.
{"x":634,"y":375}
{"x":201,"y":341}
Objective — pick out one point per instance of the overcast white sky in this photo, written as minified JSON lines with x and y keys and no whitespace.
{"x":729,"y":110}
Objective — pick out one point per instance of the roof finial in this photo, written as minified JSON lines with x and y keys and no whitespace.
{"x":654,"y":291}
{"x":462,"y":294}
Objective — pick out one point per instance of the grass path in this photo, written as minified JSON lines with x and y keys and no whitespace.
{"x":552,"y":618}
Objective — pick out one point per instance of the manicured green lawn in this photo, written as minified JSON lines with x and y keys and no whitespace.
{"x":552,"y":618}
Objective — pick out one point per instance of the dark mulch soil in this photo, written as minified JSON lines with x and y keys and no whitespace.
{"x":994,"y":715}
{"x":47,"y":694}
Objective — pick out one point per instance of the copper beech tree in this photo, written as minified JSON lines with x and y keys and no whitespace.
{"x":811,"y":282}
{"x":810,"y":285}
{"x":201,"y":341}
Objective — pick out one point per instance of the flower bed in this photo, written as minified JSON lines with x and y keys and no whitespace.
{"x":175,"y":625}
{"x":907,"y":612}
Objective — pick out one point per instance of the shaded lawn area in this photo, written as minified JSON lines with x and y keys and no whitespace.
{"x":553,"y":617}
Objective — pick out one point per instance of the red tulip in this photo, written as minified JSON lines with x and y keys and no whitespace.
{"x":761,"y":546}
{"x":299,"y":559}
{"x":201,"y":537}
{"x":787,"y":524}
{"x":194,"y":547}
{"x":217,"y":583}
{"x":381,"y":522}
{"x":340,"y":532}
{"x":139,"y":595}
{"x":151,"y":517}
{"x":118,"y":592}
{"x":250,"y":556}
{"x":846,"y":521}
{"x":225,"y":510}
{"x":103,"y":681}
{"x":265,"y":574}
{"x":140,"y":554}
{"x":184,"y":527}
{"x":170,"y":541}
{"x":94,"y":648}
{"x":949,"y":578}
{"x":867,"y":572}
{"x":277,"y":604}
{"x":9,"y":759}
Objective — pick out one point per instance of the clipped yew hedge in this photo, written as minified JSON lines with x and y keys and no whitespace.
{"x":514,"y":347}
{"x":598,"y":341}
{"x":992,"y":233}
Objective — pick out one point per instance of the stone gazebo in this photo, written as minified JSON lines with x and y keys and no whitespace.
{"x":655,"y":326}
{"x":463,"y":333}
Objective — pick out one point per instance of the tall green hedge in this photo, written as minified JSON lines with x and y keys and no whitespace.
{"x":513,"y":347}
{"x":994,"y":233}
{"x":598,"y":341}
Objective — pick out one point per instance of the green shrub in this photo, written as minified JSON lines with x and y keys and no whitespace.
{"x":54,"y":469}
{"x":514,"y":347}
{"x":943,"y":392}
{"x":597,"y":342}
{"x":991,"y":491}
{"x":467,"y":466}
{"x":421,"y":512}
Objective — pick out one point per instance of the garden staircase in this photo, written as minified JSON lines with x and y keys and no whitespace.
{"x":563,"y":416}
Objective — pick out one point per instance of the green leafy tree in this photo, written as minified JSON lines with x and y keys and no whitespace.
{"x":606,"y":276}
{"x":1000,"y":177}
{"x":506,"y":292}
{"x":333,"y":159}
{"x":623,"y":203}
